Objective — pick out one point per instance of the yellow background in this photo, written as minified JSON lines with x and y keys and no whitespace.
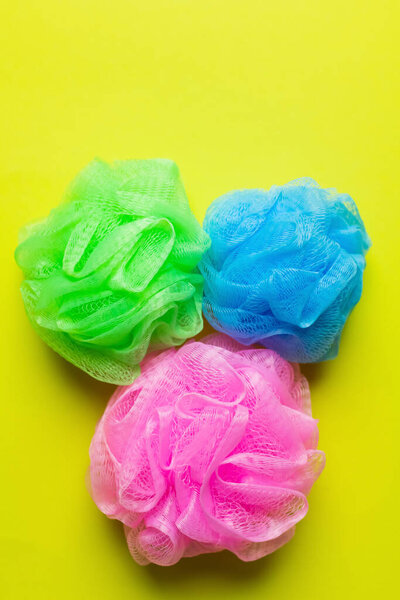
{"x":240,"y":94}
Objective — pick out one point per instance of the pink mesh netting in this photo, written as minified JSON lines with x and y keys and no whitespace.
{"x":212,"y":447}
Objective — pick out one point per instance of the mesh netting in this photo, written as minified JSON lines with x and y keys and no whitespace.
{"x":212,"y":447}
{"x":285,"y":267}
{"x":113,"y":269}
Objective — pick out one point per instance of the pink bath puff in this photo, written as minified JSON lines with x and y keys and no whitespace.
{"x":212,"y":447}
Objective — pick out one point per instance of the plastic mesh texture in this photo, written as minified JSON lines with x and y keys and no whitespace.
{"x":212,"y":447}
{"x":112,"y":270}
{"x":285,"y":267}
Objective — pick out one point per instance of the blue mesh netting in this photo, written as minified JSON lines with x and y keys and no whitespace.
{"x":285,"y":267}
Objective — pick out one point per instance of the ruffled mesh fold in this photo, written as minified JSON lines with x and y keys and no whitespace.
{"x":285,"y":267}
{"x":112,"y":270}
{"x":212,"y":447}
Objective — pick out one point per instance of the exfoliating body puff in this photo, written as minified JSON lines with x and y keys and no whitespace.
{"x":285,"y":267}
{"x":112,"y":270}
{"x":212,"y":447}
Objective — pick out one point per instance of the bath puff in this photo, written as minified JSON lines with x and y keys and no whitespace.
{"x":112,"y":271}
{"x":285,"y":267}
{"x":212,"y":447}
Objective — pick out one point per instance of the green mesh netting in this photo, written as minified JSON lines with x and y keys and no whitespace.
{"x":112,"y":271}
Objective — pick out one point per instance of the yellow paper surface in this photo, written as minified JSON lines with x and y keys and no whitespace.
{"x":239,"y":94}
